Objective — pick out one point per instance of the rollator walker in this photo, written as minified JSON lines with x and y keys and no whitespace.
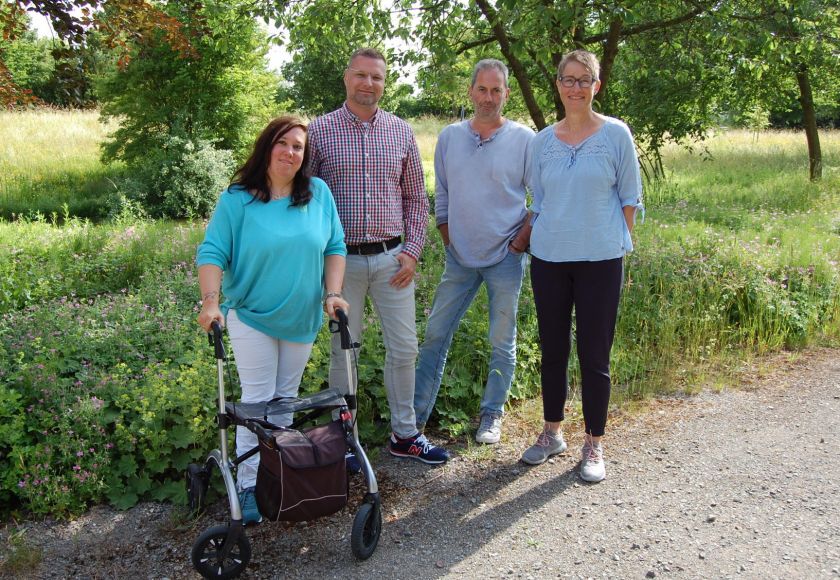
{"x":297,"y":464}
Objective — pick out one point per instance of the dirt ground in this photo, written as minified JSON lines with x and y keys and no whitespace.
{"x":738,"y":482}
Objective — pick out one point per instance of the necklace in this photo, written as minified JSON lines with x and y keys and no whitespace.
{"x":284,"y":192}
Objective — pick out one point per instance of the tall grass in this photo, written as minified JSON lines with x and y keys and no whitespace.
{"x":49,"y":160}
{"x":738,"y":256}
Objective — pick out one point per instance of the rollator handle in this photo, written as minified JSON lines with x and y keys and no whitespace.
{"x":343,"y":328}
{"x":216,"y":340}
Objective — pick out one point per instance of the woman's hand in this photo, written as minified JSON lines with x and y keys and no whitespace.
{"x":209,"y":313}
{"x":334,"y":302}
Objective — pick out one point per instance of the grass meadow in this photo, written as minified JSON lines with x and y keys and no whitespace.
{"x":49,"y":164}
{"x":107,"y":384}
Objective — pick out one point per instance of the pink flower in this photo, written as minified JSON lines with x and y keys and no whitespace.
{"x":77,"y":468}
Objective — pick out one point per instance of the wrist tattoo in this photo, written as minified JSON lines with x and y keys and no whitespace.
{"x":210,"y":295}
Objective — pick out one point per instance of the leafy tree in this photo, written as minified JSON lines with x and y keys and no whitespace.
{"x":787,"y":49}
{"x":221,"y":93}
{"x":181,"y":115}
{"x":29,"y":61}
{"x":74,"y":21}
{"x":53,"y":72}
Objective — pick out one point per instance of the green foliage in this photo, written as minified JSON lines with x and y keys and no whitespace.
{"x":113,"y":401}
{"x":173,"y":109}
{"x":180,"y":179}
{"x":100,"y":352}
{"x":42,"y":261}
{"x":222,"y":94}
{"x":30,"y":62}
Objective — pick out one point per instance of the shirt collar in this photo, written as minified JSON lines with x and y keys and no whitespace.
{"x":495,"y":134}
{"x":353,"y":118}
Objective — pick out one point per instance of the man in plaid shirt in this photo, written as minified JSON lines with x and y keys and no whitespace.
{"x":370,"y":160}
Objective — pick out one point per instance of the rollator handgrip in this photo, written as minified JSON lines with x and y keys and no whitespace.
{"x":343,"y":329}
{"x":216,"y":340}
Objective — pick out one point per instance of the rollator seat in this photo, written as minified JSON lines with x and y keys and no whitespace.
{"x":328,"y":398}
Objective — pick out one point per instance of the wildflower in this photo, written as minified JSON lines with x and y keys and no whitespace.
{"x":21,"y":484}
{"x":79,"y":453}
{"x":77,"y":468}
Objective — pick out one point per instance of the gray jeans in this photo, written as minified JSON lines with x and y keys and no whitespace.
{"x":369,"y":276}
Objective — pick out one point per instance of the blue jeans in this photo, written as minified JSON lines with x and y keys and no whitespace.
{"x":456,"y":291}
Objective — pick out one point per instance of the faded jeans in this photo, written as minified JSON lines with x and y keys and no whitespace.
{"x":369,"y":276}
{"x":456,"y":291}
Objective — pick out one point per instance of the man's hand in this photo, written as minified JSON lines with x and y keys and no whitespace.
{"x":405,"y":275}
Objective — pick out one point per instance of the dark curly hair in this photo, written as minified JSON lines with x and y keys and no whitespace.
{"x":253,"y":175}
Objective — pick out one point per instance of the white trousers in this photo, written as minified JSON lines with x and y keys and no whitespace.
{"x":268,"y":367}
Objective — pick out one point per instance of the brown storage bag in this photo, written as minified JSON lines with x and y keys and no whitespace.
{"x":302,"y":476}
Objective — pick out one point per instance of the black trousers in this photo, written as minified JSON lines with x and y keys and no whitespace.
{"x":593,"y":290}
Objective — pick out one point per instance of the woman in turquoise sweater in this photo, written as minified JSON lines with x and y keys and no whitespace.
{"x":276,"y":236}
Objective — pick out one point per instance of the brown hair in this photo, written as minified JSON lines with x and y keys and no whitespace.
{"x":584,"y":57}
{"x":253,"y":175}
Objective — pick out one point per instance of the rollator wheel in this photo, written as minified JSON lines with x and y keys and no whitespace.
{"x":207,"y":561}
{"x":198,"y":480}
{"x":367,"y":526}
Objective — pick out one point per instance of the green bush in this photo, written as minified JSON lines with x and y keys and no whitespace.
{"x":182,"y":178}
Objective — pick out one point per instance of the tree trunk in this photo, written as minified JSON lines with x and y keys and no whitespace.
{"x":809,"y":119}
{"x":608,"y":59}
{"x":516,"y":66}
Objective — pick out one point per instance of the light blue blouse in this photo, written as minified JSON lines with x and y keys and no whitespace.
{"x":579,"y":192}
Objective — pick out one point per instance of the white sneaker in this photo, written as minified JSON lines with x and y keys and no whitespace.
{"x":489,"y":429}
{"x":592,"y":468}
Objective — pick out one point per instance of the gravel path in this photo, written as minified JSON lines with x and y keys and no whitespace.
{"x":740,"y":483}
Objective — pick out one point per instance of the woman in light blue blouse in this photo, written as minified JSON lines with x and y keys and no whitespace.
{"x":584,"y":176}
{"x":276,"y":236}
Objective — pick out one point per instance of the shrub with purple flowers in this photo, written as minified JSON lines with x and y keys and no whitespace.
{"x":64,"y":470}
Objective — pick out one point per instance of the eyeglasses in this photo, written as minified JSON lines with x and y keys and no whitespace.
{"x":361,"y":75}
{"x":570,"y":81}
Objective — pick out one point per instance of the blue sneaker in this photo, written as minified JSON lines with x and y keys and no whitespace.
{"x":352,"y":462}
{"x":417,"y":447}
{"x":248,"y":505}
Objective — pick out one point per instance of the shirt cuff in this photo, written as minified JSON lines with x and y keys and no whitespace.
{"x":412,"y":249}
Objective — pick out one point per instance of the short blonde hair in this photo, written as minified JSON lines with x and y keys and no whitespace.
{"x":584,"y":57}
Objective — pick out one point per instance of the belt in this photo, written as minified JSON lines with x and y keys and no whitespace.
{"x":374,"y":247}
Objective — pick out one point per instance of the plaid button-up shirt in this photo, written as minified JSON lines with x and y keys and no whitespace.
{"x":373,"y":169}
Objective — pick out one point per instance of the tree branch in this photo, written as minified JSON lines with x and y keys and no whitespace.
{"x":632,"y":30}
{"x":516,"y":66}
{"x":475,"y":43}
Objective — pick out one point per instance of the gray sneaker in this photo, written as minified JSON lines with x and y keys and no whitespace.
{"x":489,"y":428}
{"x":587,"y":444}
{"x":592,"y":468}
{"x":547,"y":444}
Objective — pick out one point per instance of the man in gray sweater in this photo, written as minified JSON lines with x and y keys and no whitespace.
{"x":482,"y":217}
